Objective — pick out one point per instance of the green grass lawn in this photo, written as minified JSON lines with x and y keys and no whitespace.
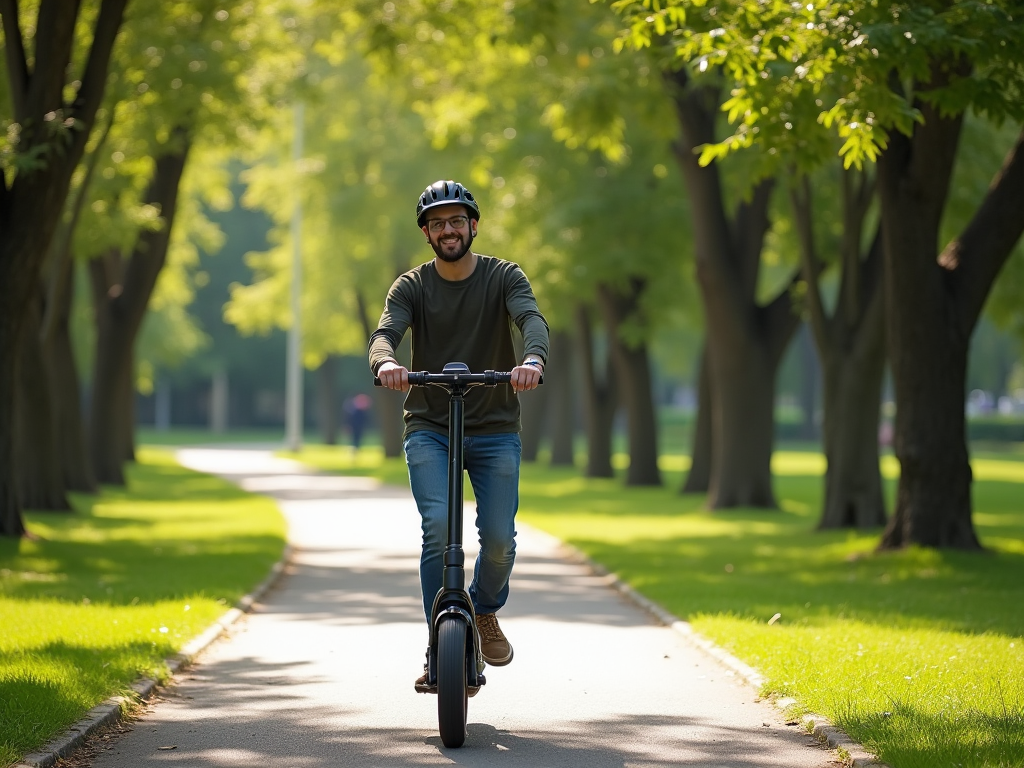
{"x":105,"y":594}
{"x":917,"y":654}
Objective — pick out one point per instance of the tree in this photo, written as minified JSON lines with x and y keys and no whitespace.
{"x":50,"y":434}
{"x":184,"y":74}
{"x":122,"y":285}
{"x":746,"y":334}
{"x":53,"y":102}
{"x":893,"y":81}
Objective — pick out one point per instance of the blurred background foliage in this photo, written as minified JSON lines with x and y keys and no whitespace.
{"x":564,"y":134}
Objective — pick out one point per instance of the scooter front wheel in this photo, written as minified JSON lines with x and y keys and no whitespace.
{"x":452,"y":694}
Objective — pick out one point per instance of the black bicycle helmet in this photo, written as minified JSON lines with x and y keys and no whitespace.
{"x":446,"y":193}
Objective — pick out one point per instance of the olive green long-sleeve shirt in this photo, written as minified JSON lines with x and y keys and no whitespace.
{"x":465,"y":321}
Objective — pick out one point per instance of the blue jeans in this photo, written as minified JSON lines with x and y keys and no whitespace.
{"x":493,"y":465}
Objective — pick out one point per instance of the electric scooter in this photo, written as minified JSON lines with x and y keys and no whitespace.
{"x":455,"y":663}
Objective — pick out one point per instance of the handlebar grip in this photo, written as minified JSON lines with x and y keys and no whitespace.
{"x":415,"y":377}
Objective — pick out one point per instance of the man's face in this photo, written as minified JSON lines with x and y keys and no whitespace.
{"x":450,"y":231}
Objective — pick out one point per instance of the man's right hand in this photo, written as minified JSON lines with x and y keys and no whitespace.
{"x":394,"y":376}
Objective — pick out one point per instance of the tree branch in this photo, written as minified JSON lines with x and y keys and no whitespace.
{"x":697,"y":110}
{"x":364,"y":315}
{"x":779,"y":320}
{"x":14,"y":51}
{"x":60,"y":248}
{"x":750,"y":227}
{"x":858,"y":189}
{"x":54,"y":38}
{"x":99,"y":280}
{"x":94,"y":77}
{"x":872,"y":267}
{"x":983,"y":247}
{"x":810,"y":264}
{"x":5,"y":195}
{"x":150,"y":251}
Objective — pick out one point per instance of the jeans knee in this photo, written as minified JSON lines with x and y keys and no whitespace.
{"x":503,"y":551}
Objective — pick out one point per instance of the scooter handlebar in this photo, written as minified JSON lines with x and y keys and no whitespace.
{"x":485,"y":379}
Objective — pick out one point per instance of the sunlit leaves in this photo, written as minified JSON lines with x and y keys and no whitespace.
{"x":851,"y":69}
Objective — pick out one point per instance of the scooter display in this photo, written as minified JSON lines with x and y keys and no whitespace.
{"x":455,"y":663}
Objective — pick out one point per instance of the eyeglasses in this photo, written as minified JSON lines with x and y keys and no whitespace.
{"x":457,"y":222}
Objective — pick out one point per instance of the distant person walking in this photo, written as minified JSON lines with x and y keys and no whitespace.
{"x":460,"y":307}
{"x":357,"y":409}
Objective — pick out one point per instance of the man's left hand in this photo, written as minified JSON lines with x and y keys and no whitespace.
{"x":526,"y":377}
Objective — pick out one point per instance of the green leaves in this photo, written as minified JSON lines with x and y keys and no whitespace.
{"x":852,"y":70}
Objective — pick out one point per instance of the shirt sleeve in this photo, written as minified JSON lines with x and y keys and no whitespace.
{"x":522,"y":308}
{"x":393,"y":324}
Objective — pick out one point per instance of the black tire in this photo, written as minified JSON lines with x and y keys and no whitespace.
{"x":452,"y":694}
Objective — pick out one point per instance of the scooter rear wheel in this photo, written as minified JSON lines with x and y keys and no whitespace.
{"x":452,"y":694}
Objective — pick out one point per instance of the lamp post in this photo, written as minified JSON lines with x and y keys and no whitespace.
{"x":293,"y":379}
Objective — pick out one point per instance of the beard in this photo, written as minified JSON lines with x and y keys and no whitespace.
{"x":455,"y":249}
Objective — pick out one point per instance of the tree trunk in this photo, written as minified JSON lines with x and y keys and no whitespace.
{"x":32,"y":202}
{"x":634,"y":372}
{"x":65,"y":388}
{"x":853,"y":372}
{"x":600,"y":400}
{"x":743,"y":424}
{"x":745,"y":341}
{"x":558,"y":377}
{"x":932,"y":307}
{"x":121,"y":292}
{"x":55,"y":334}
{"x":927,"y":343}
{"x":127,"y":418}
{"x":851,"y":342}
{"x":40,"y":479}
{"x":11,"y":521}
{"x":533,"y":408}
{"x":328,"y":400}
{"x":810,"y":374}
{"x":698,"y":479}
{"x":388,"y":405}
{"x":933,"y":500}
{"x":109,"y":407}
{"x":853,"y":483}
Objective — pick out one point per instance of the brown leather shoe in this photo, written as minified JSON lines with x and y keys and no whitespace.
{"x":421,"y":683}
{"x":495,"y":647}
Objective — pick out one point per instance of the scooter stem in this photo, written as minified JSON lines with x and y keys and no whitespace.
{"x":454,"y":576}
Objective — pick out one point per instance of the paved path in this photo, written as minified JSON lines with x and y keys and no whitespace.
{"x":320,"y":674}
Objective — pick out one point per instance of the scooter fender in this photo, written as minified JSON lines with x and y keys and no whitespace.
{"x":457,"y":603}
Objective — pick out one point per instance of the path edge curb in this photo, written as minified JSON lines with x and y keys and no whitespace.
{"x":852,"y":753}
{"x":114,"y":709}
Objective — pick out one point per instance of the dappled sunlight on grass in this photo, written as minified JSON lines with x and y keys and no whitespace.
{"x":998,"y":469}
{"x":673,"y":463}
{"x":911,"y":694}
{"x":798,"y":463}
